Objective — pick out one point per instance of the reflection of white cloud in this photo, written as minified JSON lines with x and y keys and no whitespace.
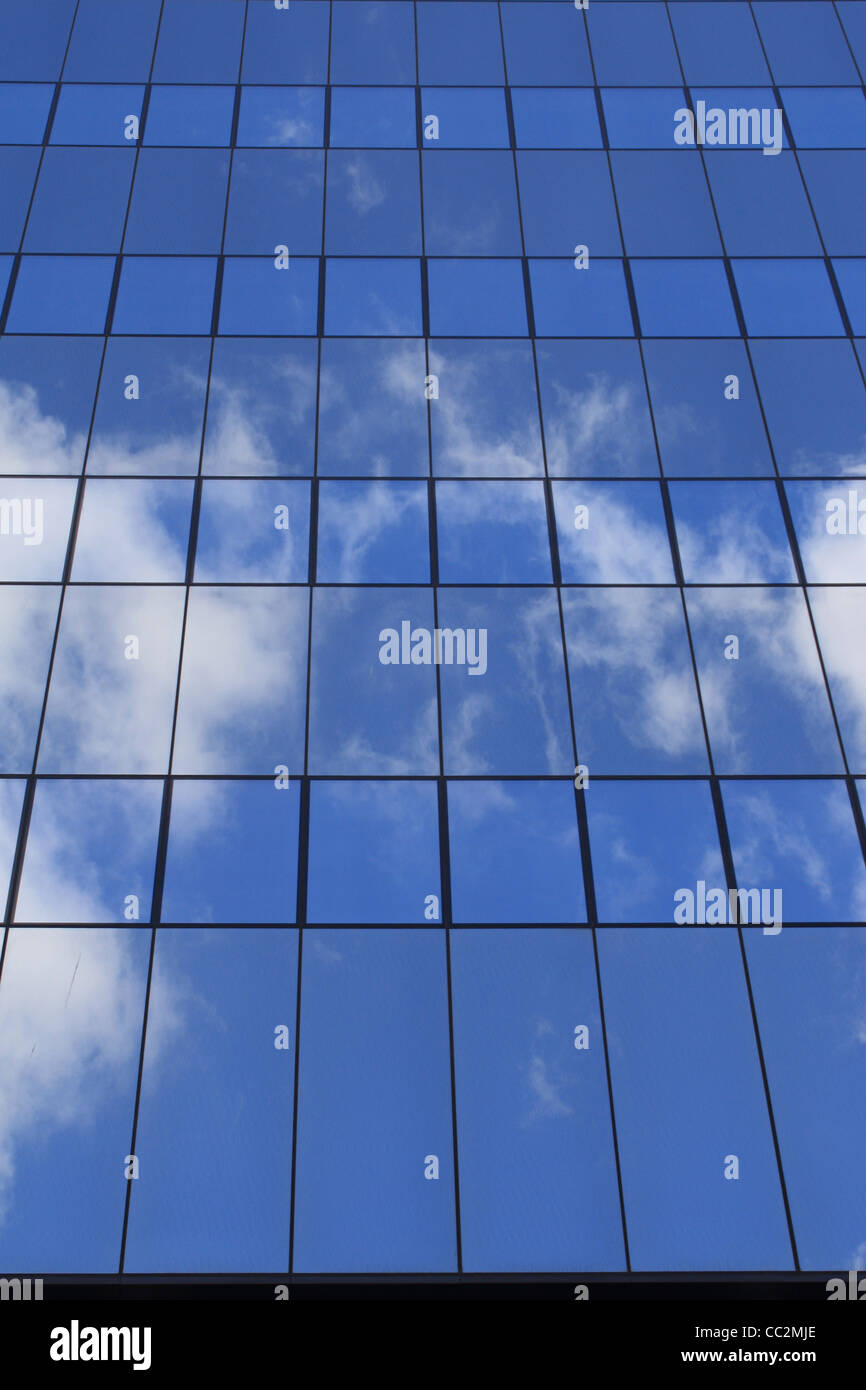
{"x":546,"y":1083}
{"x":732,"y":547}
{"x":776,"y":637}
{"x":71,"y":1009}
{"x":607,"y":418}
{"x":365,"y":191}
{"x":473,"y":437}
{"x":33,"y":442}
{"x":247,"y":418}
{"x":349,"y":532}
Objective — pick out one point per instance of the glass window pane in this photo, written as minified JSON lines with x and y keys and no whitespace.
{"x":718,"y":42}
{"x":373,"y":533}
{"x":484,"y":421}
{"x":371,"y":42}
{"x":469,"y":117}
{"x":477,"y":298}
{"x":275,"y":200}
{"x":165,"y":294}
{"x":189,"y":116}
{"x":764,"y":700}
{"x":61,"y":294}
{"x":374,"y":852}
{"x":199,"y":42}
{"x":81,"y":200}
{"x":492,"y":533}
{"x":573,"y":303}
{"x":253,"y":532}
{"x":529,"y":1091}
{"x":232,"y":852}
{"x":28,"y":615}
{"x":373,"y":202}
{"x":373,"y":116}
{"x":178,"y":201}
{"x":706,"y":410}
{"x":261,"y":408}
{"x":372,"y":407}
{"x":689,"y":1098}
{"x":806,"y":47}
{"x":156,"y":514}
{"x":381,"y":297}
{"x":91,"y":853}
{"x":71,"y":1010}
{"x":684,"y":299}
{"x":35,"y":514}
{"x":649,"y":840}
{"x":809,"y":990}
{"x":360,"y":637}
{"x":286,"y":45}
{"x":515,"y":854}
{"x":733,"y":532}
{"x":34,"y":45}
{"x":112,"y":40}
{"x":243,"y":682}
{"x":47,"y":387}
{"x":813,"y":396}
{"x":281,"y":115}
{"x":17,"y":174}
{"x":258,"y":296}
{"x":596,"y":418}
{"x":368,"y":1135}
{"x":504,"y":707}
{"x":150,"y":408}
{"x":838,"y":612}
{"x":800,"y":840}
{"x":633,"y":690}
{"x":566,"y":199}
{"x":459,"y":43}
{"x":612,"y":533}
{"x":90,"y":115}
{"x":555,"y":118}
{"x":215,"y":1123}
{"x":632,"y":44}
{"x":545,"y":43}
{"x":111,"y":700}
{"x":470,"y":203}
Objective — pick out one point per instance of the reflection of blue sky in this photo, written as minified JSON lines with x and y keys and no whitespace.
{"x":232,"y":852}
{"x":595,"y":410}
{"x":215,"y":1124}
{"x":700,"y":432}
{"x":800,"y":837}
{"x":688,"y":1092}
{"x":371,"y":1113}
{"x":492,"y":533}
{"x":514,"y":718}
{"x":70,"y":873}
{"x":389,"y":726}
{"x":731,"y":533}
{"x":514,"y":852}
{"x":649,"y":839}
{"x":528,"y":1102}
{"x":813,"y":397}
{"x":810,"y":992}
{"x":374,"y":852}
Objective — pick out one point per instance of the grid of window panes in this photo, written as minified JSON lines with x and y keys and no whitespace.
{"x":329,"y":327}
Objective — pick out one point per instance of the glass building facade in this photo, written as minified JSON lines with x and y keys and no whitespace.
{"x":432,"y":614}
